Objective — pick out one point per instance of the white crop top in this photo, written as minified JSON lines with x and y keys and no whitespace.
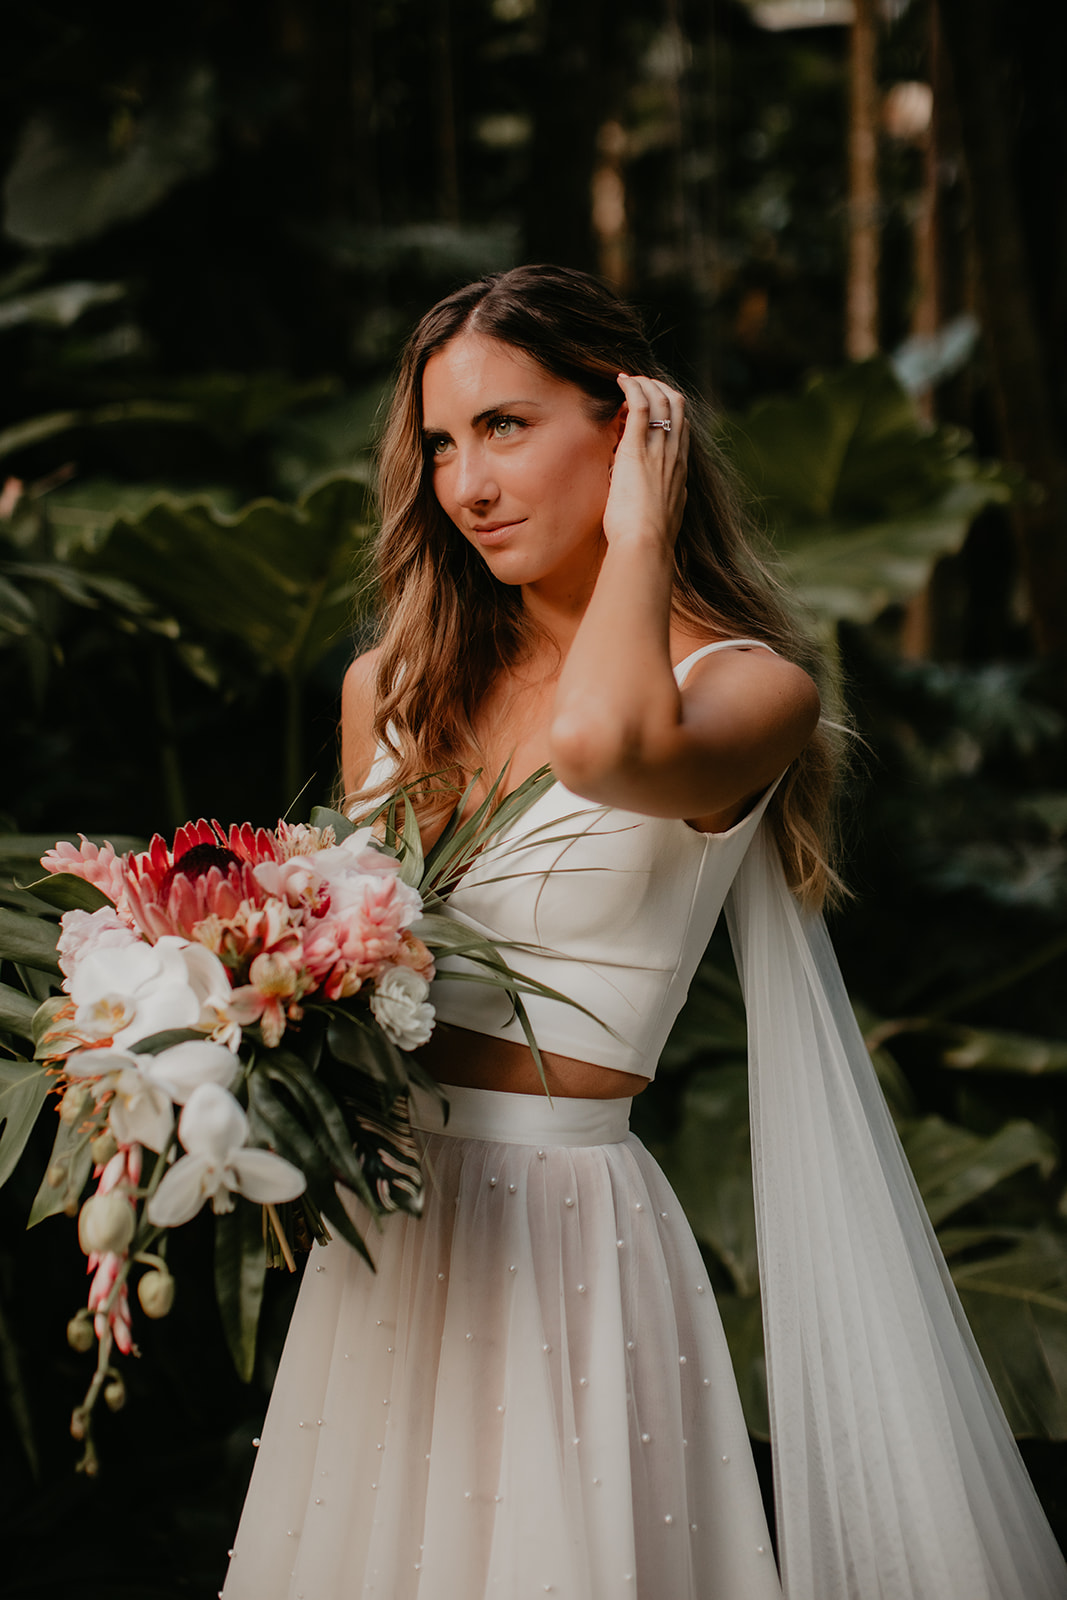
{"x":618,"y":907}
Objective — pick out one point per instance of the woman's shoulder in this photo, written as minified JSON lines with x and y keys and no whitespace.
{"x":358,"y":742}
{"x":754,"y":674}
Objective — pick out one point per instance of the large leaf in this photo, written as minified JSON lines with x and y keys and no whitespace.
{"x":1016,"y":1304}
{"x":17,"y":1011}
{"x":953,"y":1166}
{"x":70,"y":181}
{"x":862,"y":498}
{"x":70,"y":1151}
{"x":709,"y":1163}
{"x":28,"y":939}
{"x":278,"y":578}
{"x":59,"y":305}
{"x":989,"y":1050}
{"x":23,"y":1088}
{"x":240,"y":1270}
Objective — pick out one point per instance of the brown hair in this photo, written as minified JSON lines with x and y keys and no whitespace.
{"x":448,"y":625}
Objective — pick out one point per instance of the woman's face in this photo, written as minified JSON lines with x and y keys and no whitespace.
{"x":518,"y":463}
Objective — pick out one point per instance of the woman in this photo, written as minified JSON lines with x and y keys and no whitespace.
{"x":533,"y":1393}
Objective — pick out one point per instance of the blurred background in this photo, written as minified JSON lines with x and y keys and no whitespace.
{"x":846,"y":224}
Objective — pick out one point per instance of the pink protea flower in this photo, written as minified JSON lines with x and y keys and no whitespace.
{"x":173,"y":897}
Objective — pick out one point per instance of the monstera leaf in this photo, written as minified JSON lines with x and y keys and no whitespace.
{"x":70,"y":182}
{"x":861,"y":499}
{"x":279,"y":579}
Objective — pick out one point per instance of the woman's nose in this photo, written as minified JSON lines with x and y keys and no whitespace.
{"x":474,"y":484}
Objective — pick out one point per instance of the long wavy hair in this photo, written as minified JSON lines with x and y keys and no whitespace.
{"x":447,"y":626}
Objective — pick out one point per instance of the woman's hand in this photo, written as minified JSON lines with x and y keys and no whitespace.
{"x":647,"y":495}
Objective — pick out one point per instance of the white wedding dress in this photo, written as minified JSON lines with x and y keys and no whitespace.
{"x":533,"y":1395}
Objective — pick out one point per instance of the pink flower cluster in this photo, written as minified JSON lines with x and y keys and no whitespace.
{"x":121,"y":1174}
{"x":289,"y":912}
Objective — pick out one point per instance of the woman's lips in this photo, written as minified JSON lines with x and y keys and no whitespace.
{"x":493,"y":533}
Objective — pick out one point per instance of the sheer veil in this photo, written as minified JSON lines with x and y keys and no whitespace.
{"x":897,"y":1477}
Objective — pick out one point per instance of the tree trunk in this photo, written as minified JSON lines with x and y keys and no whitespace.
{"x":569,"y":97}
{"x":1030,"y":430}
{"x":861,"y":309}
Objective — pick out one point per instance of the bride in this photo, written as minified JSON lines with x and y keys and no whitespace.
{"x":532,"y":1394}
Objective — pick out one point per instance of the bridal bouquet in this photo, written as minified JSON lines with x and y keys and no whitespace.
{"x":238,"y":1013}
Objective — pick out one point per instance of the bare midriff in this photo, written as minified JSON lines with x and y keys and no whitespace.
{"x":479,"y":1061}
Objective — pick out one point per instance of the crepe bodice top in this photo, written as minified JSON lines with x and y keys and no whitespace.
{"x":610,"y":908}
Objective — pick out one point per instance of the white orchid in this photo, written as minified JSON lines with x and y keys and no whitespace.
{"x":142,"y":1087}
{"x":219,"y":1164}
{"x":401,"y":1008}
{"x":129,"y":991}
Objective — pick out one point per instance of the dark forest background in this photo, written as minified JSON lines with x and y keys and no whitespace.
{"x":846,"y":224}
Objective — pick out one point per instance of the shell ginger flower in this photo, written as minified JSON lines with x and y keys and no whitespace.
{"x":218,"y":1163}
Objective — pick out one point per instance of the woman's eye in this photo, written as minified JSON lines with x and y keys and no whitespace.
{"x":437,"y":447}
{"x":505,"y":427}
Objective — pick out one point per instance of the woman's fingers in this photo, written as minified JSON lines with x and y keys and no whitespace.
{"x":651,"y":401}
{"x":648,"y":481}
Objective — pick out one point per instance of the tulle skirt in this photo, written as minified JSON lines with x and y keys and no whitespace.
{"x":531,"y":1395}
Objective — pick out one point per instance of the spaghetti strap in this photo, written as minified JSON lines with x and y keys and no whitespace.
{"x":681,"y":671}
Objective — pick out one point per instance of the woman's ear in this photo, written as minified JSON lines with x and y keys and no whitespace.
{"x":619,"y":424}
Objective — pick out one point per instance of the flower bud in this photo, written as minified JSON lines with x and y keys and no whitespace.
{"x":106,"y":1224}
{"x":77,"y":1423}
{"x":75,"y":1104}
{"x":56,"y":1175}
{"x":80,"y":1334}
{"x":115,"y":1394}
{"x":103,"y":1147}
{"x":156,"y":1293}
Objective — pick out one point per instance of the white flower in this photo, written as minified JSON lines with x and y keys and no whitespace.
{"x":130,"y":991}
{"x":106,"y":1224}
{"x":83,"y":931}
{"x":401,"y":1009}
{"x":214,"y":1131}
{"x":143,"y":1086}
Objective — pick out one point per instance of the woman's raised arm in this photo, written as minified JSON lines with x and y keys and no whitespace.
{"x":623,"y":733}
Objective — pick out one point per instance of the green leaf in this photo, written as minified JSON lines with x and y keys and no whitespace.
{"x":240,"y":1271}
{"x":322,"y":1116}
{"x":44,"y":1015}
{"x":68,"y":893}
{"x":862,"y":497}
{"x":1016,"y":1304}
{"x":987,"y":1050}
{"x":70,"y":1150}
{"x":363,"y":1045}
{"x":709,"y":1164}
{"x":279,"y":579}
{"x":154,"y":1043}
{"x":323,"y":817}
{"x":73,"y":179}
{"x":742,"y":1320}
{"x":60,"y":305}
{"x":27,"y":939}
{"x":23,"y":1089}
{"x":17,"y":1011}
{"x":953,"y":1166}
